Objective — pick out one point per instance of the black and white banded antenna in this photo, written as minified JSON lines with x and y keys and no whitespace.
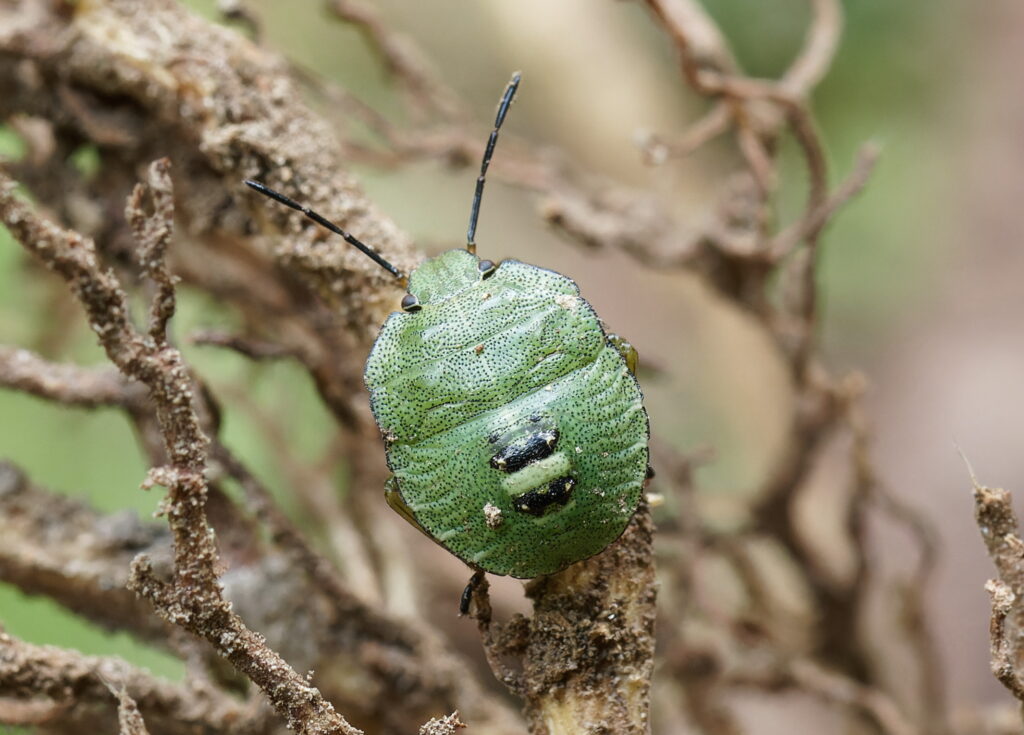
{"x":474,"y":212}
{"x":324,"y":222}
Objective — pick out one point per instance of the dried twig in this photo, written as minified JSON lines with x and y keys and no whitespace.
{"x":586,"y":653}
{"x":78,"y":689}
{"x":443,"y":725}
{"x":58,"y":547}
{"x":253,"y":349}
{"x":915,"y":589}
{"x":832,"y":687}
{"x":129,"y":719}
{"x":26,"y":371}
{"x":401,"y":59}
{"x":193,"y":597}
{"x":1005,"y":652}
{"x":1001,"y":533}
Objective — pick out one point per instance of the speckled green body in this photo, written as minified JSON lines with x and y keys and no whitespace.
{"x":490,"y":363}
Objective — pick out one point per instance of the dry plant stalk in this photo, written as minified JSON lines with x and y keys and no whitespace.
{"x":583,"y":661}
{"x":63,"y":690}
{"x":192,"y":598}
{"x":1001,"y":533}
{"x":143,"y":80}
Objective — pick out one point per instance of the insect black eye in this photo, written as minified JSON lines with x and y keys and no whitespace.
{"x":487,"y":268}
{"x":410,"y":303}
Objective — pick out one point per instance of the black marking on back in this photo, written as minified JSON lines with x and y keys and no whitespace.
{"x":525,"y":450}
{"x":539,"y":501}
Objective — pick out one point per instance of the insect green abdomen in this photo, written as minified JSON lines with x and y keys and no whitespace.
{"x":516,"y":433}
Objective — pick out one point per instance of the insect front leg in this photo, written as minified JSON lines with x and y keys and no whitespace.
{"x":627,"y":350}
{"x":475,"y":583}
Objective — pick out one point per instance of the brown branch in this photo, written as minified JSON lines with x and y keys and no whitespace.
{"x":700,"y":43}
{"x":415,"y":665}
{"x":25,"y":371}
{"x":401,"y":59}
{"x":997,"y":521}
{"x":251,"y":348}
{"x":758,"y":127}
{"x":152,"y":224}
{"x":1005,"y":651}
{"x":914,"y":591}
{"x":819,"y":48}
{"x":443,"y":725}
{"x":714,"y":123}
{"x":587,"y":653}
{"x":58,"y":547}
{"x":192,"y":599}
{"x":832,"y":687}
{"x":78,"y":698}
{"x":760,"y":111}
{"x":816,"y":218}
{"x":129,"y":719}
{"x":1000,"y":531}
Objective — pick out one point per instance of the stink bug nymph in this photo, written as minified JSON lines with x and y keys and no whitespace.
{"x":513,"y":424}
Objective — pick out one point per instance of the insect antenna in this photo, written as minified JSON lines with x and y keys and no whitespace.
{"x":474,"y":212}
{"x":324,"y":222}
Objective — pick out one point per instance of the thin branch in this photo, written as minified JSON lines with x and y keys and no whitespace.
{"x":249,"y":347}
{"x":448,"y":725}
{"x":714,"y":123}
{"x":819,"y":49}
{"x":917,"y":586}
{"x":71,"y":385}
{"x":700,"y":43}
{"x":192,"y":598}
{"x":79,"y":688}
{"x":829,"y":686}
{"x":58,"y":547}
{"x":833,"y":687}
{"x":152,"y":227}
{"x":1005,"y":650}
{"x":129,"y":719}
{"x":401,"y":58}
{"x":997,"y":521}
{"x":816,"y":218}
{"x":1000,"y":531}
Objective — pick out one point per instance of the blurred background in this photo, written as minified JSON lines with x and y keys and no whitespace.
{"x":921,"y":275}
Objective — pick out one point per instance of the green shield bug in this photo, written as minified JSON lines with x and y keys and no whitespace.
{"x":513,"y":424}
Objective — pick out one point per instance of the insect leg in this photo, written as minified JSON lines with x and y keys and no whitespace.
{"x":467,"y":594}
{"x":627,"y":350}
